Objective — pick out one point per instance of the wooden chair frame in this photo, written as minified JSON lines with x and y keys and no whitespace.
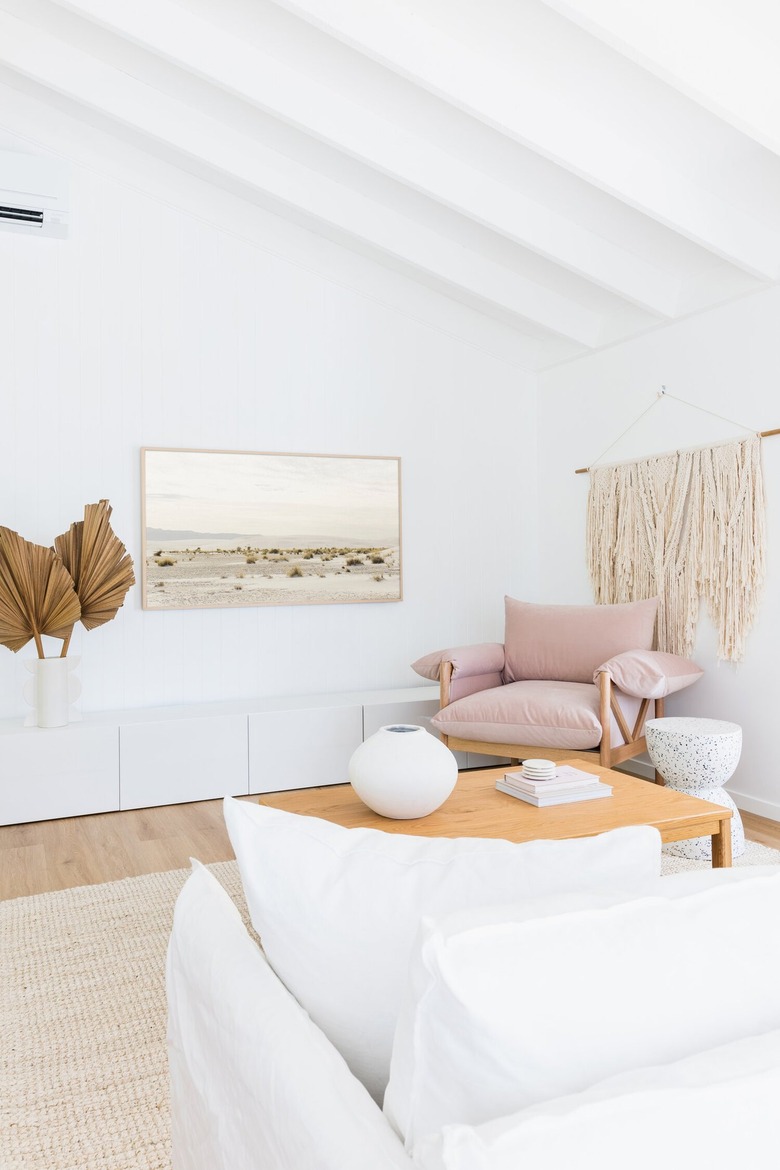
{"x":604,"y":754}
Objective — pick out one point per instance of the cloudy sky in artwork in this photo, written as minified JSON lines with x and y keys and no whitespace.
{"x":273,"y":495}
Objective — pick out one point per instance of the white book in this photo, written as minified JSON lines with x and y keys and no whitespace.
{"x":558,"y":783}
{"x":567,"y":772}
{"x":597,"y":792}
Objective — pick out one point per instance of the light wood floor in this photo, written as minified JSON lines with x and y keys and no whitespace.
{"x":79,"y":851}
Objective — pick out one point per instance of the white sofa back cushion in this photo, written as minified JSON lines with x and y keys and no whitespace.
{"x":716,"y":1109}
{"x":503,"y":1014}
{"x":338,"y":909}
{"x":253,"y":1082}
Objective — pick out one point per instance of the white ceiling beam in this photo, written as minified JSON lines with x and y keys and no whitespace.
{"x":570,"y":132}
{"x":60,"y":67}
{"x":718,"y":55}
{"x":29,"y":116}
{"x":354,"y":129}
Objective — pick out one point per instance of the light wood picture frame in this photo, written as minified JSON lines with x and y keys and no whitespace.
{"x":225,"y":529}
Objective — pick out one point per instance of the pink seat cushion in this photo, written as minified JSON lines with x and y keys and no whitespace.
{"x":568,"y":642}
{"x":534,"y":714}
{"x":539,"y":714}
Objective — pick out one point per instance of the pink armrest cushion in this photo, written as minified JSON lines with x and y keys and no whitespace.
{"x":567,"y":642}
{"x":483,"y":658}
{"x":649,"y":674}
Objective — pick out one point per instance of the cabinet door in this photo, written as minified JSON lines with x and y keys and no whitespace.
{"x":47,"y":773}
{"x":302,"y":748}
{"x":173,"y":761}
{"x":477,"y":761}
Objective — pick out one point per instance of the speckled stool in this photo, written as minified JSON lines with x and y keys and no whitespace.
{"x":698,"y":756}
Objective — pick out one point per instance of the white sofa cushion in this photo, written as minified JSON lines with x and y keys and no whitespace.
{"x":716,"y":1109}
{"x":253,"y":1081}
{"x":338,"y":909}
{"x":503,"y":1011}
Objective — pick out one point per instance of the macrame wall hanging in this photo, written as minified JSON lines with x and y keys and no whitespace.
{"x":683,"y":526}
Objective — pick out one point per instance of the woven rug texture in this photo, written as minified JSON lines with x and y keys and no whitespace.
{"x":83,"y":1070}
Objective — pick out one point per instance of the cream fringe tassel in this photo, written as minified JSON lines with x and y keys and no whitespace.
{"x":683,"y":526}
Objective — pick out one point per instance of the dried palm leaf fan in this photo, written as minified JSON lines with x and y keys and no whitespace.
{"x":36,"y":593}
{"x":100,"y":565}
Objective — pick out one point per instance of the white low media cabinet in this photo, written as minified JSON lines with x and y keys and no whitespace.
{"x":115,"y":760}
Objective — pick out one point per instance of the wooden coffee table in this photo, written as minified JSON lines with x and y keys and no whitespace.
{"x":477,"y":809}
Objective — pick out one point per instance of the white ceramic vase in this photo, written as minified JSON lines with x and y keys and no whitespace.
{"x":403,"y":772}
{"x":51,"y":691}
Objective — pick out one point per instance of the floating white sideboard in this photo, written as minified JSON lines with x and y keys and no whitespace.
{"x":171,"y":755}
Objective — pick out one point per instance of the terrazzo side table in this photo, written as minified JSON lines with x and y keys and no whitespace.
{"x":698,"y":756}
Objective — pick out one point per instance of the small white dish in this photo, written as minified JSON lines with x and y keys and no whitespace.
{"x":539,"y":769}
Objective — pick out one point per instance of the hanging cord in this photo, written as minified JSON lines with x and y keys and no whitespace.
{"x":664,"y":393}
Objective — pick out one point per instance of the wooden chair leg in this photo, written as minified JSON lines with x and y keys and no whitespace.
{"x":605,"y":712}
{"x":659,"y":714}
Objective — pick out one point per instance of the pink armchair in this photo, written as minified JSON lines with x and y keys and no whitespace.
{"x":568,"y":681}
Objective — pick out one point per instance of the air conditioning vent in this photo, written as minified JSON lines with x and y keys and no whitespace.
{"x":33,"y":195}
{"x":21,"y":214}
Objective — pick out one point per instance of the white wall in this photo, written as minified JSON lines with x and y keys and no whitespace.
{"x":180,"y":316}
{"x":727,"y":361}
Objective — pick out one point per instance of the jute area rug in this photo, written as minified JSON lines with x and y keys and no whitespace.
{"x":84,"y":1079}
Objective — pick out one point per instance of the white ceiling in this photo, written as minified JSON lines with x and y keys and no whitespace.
{"x":580,"y":171}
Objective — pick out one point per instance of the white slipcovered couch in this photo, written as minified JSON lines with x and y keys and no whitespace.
{"x":550,"y":1005}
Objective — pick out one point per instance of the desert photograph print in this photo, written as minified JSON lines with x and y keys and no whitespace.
{"x":243,"y":528}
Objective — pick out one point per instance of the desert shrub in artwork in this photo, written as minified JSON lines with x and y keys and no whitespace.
{"x":294,"y":572}
{"x":165,"y":562}
{"x":377,"y":560}
{"x":354,"y":561}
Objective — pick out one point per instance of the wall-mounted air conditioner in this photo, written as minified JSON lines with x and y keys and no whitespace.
{"x":33,"y":195}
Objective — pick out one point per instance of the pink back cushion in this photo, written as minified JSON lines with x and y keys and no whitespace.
{"x":568,"y":642}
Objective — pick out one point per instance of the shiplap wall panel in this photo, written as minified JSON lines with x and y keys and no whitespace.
{"x":153,"y":325}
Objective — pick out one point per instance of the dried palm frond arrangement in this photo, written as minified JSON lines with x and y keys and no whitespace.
{"x":45,"y":591}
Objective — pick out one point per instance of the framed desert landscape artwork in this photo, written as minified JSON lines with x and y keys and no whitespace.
{"x":237,"y":528}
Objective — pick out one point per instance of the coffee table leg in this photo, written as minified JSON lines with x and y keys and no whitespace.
{"x":721,"y":845}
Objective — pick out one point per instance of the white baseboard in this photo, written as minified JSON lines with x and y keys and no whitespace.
{"x":762,"y":808}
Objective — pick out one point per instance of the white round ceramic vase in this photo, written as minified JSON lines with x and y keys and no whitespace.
{"x":403,"y":772}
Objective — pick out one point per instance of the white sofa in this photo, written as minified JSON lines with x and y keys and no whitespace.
{"x":629,"y":1021}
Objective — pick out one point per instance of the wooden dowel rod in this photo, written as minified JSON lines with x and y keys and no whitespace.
{"x":763,"y":435}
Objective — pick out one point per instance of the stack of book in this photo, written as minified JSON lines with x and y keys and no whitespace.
{"x":562,"y":785}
